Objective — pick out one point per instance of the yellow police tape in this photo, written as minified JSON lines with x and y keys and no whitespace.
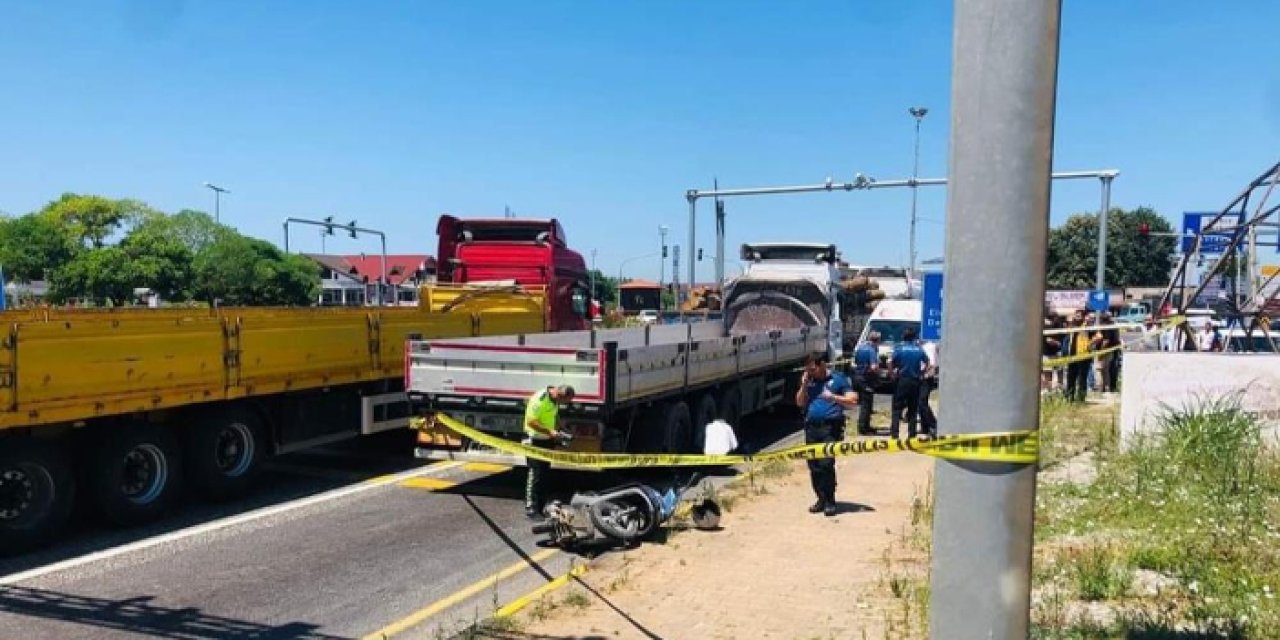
{"x":1053,"y":363}
{"x":1018,"y":447}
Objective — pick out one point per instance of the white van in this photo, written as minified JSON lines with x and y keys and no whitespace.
{"x":891,"y":318}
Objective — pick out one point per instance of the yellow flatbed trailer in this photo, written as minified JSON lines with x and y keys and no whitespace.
{"x":146,"y":400}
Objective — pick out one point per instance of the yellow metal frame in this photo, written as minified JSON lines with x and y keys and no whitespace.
{"x":59,"y":366}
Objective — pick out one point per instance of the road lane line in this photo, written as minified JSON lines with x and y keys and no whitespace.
{"x":422,"y":615}
{"x":514,"y":607}
{"x":224,"y":523}
{"x":486,"y":467}
{"x":430,"y":484}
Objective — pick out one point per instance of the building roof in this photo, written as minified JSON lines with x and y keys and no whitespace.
{"x":639,"y":284}
{"x":400,"y":267}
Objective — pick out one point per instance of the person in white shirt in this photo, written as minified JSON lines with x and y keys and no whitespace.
{"x":1207,"y":340}
{"x":720,"y":439}
{"x":929,"y":421}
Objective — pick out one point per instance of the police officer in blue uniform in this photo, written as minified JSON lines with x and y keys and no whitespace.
{"x":909,"y":364}
{"x":824,"y":395}
{"x":866,"y":363}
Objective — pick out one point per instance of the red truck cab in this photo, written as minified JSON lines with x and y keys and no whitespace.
{"x":525,"y":252}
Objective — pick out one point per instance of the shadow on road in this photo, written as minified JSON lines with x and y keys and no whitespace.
{"x":138,"y":615}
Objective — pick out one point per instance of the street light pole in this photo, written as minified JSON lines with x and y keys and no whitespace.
{"x":1102,"y":234}
{"x":593,"y":274}
{"x":918,"y":113}
{"x":217,"y":200}
{"x":662,"y":260}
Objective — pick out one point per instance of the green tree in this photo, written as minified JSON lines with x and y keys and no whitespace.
{"x":606,"y":290}
{"x":104,"y":276}
{"x":159,"y":260}
{"x":1133,"y":260}
{"x":236,"y":270}
{"x":32,"y":246}
{"x":94,"y":219}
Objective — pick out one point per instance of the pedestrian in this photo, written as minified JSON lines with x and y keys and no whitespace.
{"x":1110,"y":362}
{"x":541,"y":429}
{"x":1051,"y":346}
{"x":1209,"y":339}
{"x":866,"y":364}
{"x":909,"y":363}
{"x":929,"y":421}
{"x":824,"y":395}
{"x":1080,"y":344}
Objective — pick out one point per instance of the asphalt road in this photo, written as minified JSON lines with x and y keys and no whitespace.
{"x":331,"y":547}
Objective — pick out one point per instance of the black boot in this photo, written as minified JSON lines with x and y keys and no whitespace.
{"x":818,"y":506}
{"x":829,"y":506}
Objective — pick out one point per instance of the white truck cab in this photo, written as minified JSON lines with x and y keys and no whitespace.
{"x":891,"y":318}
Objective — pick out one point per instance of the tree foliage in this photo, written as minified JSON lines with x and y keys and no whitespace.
{"x":1132,"y":259}
{"x":246,"y":271}
{"x":95,"y":249}
{"x":606,"y":290}
{"x":31,"y":246}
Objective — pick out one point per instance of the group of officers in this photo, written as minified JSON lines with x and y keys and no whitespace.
{"x":824,"y":396}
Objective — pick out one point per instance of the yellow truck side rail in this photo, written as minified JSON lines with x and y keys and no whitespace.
{"x":60,"y":366}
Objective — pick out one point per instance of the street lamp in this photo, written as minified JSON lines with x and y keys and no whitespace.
{"x":217,"y":200}
{"x":633,"y":259}
{"x":918,"y":113}
{"x":662,"y":261}
{"x":593,"y":274}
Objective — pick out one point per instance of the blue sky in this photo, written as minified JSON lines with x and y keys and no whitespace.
{"x":599,"y":113}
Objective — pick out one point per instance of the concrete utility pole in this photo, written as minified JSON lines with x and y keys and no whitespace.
{"x":1004,"y":80}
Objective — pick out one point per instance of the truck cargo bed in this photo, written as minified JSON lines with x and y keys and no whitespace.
{"x":608,"y":368}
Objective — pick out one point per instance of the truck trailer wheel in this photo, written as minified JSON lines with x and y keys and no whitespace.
{"x":36,"y":493}
{"x":223,"y":453}
{"x":679,"y":428}
{"x":666,"y":429}
{"x":730,"y":405}
{"x":704,"y":414}
{"x":133,"y":472}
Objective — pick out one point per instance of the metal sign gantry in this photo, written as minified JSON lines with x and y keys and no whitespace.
{"x":862,"y":183}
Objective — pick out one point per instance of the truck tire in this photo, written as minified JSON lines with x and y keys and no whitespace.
{"x":666,"y":429}
{"x":37,"y":491}
{"x":133,"y":472}
{"x":679,"y":429}
{"x":223,"y":453}
{"x":704,"y":413}
{"x":730,"y":405}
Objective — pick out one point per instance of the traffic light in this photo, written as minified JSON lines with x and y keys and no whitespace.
{"x":699,"y":255}
{"x":1144,"y":230}
{"x":328,"y":226}
{"x":351,"y":227}
{"x":664,"y":251}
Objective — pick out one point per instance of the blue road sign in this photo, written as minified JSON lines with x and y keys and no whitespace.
{"x":1099,"y":300}
{"x":1213,"y":243}
{"x":931,"y":307}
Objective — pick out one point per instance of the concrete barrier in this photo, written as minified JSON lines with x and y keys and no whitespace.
{"x":1154,"y":382}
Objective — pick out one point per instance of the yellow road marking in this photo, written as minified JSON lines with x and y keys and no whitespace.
{"x":431,"y":468}
{"x":486,"y":467}
{"x":423,"y":614}
{"x":433,"y":484}
{"x":523,"y":601}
